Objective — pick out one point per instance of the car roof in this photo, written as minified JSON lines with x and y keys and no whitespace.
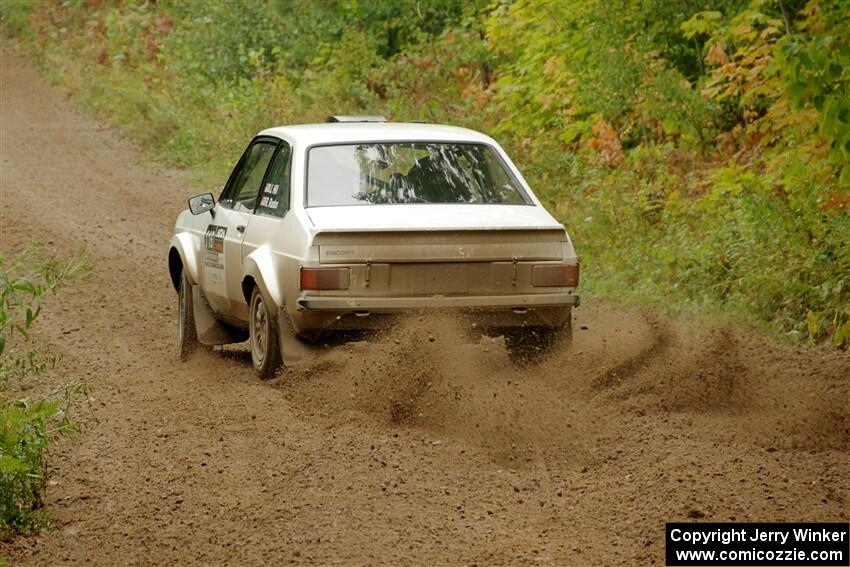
{"x":346,"y":132}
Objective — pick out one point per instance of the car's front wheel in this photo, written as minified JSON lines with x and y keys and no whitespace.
{"x":187,"y":336}
{"x":265,"y":344}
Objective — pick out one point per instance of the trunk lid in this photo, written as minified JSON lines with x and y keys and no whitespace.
{"x":436,"y":233}
{"x":430,"y":217}
{"x":441,"y":246}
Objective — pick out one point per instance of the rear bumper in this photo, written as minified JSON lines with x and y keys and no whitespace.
{"x":399,"y":304}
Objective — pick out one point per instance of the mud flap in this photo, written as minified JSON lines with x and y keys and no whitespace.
{"x":292,"y":349}
{"x":210,"y":330}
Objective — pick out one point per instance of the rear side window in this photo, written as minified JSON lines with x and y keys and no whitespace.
{"x":274,"y":198}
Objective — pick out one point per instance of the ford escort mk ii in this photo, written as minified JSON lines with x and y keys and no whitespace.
{"x":346,"y":225}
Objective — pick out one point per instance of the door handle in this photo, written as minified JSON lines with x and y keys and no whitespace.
{"x":240,"y":229}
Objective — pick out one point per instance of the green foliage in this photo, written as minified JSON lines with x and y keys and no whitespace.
{"x":218,"y":41}
{"x":24,"y":282}
{"x":393,"y":27}
{"x":816,"y":72}
{"x":26,"y":431}
{"x":28,"y":427}
{"x":14,"y":15}
{"x":697,"y":152}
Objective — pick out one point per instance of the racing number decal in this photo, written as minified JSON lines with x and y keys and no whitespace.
{"x":214,"y":258}
{"x":214,"y":238}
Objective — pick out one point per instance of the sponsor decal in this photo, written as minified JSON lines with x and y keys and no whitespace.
{"x":212,"y":262}
{"x":214,"y":238}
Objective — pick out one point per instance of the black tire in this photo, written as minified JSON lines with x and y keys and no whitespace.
{"x":187,"y":336}
{"x":529,"y":345}
{"x":264,"y":339}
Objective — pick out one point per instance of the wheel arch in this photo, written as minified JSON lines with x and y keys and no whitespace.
{"x":182,"y":255}
{"x":260,"y":270}
{"x":175,"y":266}
{"x":248,"y":284}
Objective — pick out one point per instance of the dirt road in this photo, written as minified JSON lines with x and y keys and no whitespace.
{"x":390,"y":453}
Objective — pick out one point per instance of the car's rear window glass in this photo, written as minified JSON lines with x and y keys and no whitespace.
{"x":420,"y":172}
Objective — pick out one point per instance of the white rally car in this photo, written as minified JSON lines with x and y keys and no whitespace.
{"x":346,"y":225}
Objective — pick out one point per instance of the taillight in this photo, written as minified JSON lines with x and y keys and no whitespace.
{"x":555,"y":276}
{"x":324,"y":278}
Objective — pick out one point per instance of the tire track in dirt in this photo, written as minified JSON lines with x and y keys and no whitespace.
{"x":658,"y":345}
{"x":397,"y":450}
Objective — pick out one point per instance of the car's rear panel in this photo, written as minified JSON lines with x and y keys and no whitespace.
{"x":416,"y":263}
{"x":466,"y":270}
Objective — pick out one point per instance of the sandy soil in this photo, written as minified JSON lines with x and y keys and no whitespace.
{"x":399,"y":451}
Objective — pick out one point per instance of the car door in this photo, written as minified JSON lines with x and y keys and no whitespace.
{"x":273,"y":201}
{"x":222,"y":271}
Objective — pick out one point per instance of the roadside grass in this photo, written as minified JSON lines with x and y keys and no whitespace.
{"x":14,"y":15}
{"x":32,"y":415}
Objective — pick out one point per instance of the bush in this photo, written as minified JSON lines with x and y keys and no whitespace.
{"x":27,"y":427}
{"x":14,"y":14}
{"x":26,"y":431}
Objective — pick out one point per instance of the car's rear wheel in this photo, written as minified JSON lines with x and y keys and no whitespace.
{"x":265,"y":344}
{"x":187,"y":336}
{"x":528,"y":345}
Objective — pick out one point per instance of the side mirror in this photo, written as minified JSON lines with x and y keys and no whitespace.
{"x":201,"y":203}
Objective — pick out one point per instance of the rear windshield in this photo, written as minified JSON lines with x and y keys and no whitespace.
{"x":421,"y":172}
